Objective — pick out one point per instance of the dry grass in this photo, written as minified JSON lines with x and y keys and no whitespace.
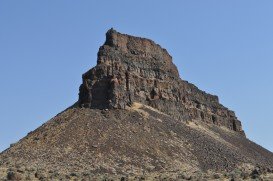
{"x":137,"y":107}
{"x":3,"y":173}
{"x":129,"y":142}
{"x":205,"y":129}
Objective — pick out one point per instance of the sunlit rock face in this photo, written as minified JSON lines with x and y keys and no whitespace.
{"x":132,"y":69}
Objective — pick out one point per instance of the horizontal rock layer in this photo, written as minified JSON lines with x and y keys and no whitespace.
{"x":132,"y":69}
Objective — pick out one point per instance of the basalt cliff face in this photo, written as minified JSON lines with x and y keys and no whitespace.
{"x":132,"y":69}
{"x":136,"y":119}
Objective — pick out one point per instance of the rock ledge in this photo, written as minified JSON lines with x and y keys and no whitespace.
{"x":132,"y":69}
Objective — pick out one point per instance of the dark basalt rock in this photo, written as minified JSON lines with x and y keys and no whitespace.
{"x":132,"y":69}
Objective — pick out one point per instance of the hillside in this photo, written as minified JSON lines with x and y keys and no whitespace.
{"x":137,"y":119}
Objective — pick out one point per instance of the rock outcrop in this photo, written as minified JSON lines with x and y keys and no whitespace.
{"x":132,"y":69}
{"x":137,"y":120}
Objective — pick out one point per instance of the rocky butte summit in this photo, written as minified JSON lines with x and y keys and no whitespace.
{"x":137,"y":119}
{"x":131,"y":69}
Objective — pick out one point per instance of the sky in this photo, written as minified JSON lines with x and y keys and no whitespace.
{"x":223,"y":47}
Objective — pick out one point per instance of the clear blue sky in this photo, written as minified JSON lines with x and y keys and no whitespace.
{"x":223,"y":47}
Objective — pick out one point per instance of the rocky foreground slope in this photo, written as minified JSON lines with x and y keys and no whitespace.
{"x":136,"y":119}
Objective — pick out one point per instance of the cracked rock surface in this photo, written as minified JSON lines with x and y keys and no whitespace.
{"x":132,"y":69}
{"x":136,"y":119}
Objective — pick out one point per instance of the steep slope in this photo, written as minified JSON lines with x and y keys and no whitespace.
{"x":134,"y":141}
{"x":132,"y":69}
{"x":137,"y":119}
